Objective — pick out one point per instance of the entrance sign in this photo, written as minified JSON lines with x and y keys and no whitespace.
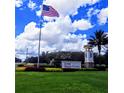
{"x":71,"y":64}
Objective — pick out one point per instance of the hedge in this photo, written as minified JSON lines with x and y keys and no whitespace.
{"x":20,"y":68}
{"x":53,"y":69}
{"x":88,"y":69}
{"x":49,"y":69}
{"x":41,"y":69}
{"x":34,"y":68}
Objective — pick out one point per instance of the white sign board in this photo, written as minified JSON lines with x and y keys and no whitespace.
{"x":71,"y":64}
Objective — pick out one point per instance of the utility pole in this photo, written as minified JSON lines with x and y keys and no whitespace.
{"x":27,"y":53}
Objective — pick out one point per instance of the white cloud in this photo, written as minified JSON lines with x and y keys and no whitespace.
{"x":92,"y":11}
{"x":67,"y":7}
{"x":31,"y":5}
{"x":29,"y":32}
{"x":74,"y":42}
{"x":82,"y":24}
{"x":46,"y":18}
{"x":89,"y":12}
{"x":103,"y":16}
{"x":55,"y":35}
{"x":96,"y":11}
{"x":38,"y":13}
{"x":18,"y":3}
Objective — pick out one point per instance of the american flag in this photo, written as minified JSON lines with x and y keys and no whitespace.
{"x":49,"y":11}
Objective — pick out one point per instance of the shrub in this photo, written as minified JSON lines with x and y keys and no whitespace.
{"x":33,"y":68}
{"x":88,"y":69}
{"x":53,"y":69}
{"x":20,"y":68}
{"x":101,"y":68}
{"x":20,"y":65}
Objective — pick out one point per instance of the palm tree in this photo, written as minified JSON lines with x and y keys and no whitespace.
{"x":100,"y":38}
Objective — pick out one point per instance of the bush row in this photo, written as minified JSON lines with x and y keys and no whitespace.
{"x":47,"y":69}
{"x":20,"y":68}
{"x":53,"y":69}
{"x":32,"y":64}
{"x":41,"y":69}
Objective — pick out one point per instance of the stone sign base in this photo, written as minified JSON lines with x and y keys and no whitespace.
{"x":89,"y":65}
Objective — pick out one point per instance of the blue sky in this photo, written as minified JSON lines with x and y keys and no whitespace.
{"x":26,"y":15}
{"x":81,"y":18}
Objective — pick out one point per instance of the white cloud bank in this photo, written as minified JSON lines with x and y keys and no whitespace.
{"x":103,"y":16}
{"x":67,"y":7}
{"x":82,"y":24}
{"x":55,"y":36}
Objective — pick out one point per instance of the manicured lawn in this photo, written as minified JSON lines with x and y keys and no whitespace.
{"x":62,"y":82}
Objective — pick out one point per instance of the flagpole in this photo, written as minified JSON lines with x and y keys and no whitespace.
{"x":38,"y":60}
{"x":48,"y":13}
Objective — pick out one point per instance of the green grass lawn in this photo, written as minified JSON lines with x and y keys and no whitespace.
{"x":62,"y":82}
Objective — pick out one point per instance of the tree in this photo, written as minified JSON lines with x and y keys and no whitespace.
{"x":17,"y":60}
{"x":99,"y":39}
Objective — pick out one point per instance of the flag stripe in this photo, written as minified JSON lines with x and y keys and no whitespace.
{"x":49,"y":11}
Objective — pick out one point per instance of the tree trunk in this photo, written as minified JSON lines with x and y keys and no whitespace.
{"x":99,"y":49}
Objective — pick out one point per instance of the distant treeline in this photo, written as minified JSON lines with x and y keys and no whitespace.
{"x":57,"y":57}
